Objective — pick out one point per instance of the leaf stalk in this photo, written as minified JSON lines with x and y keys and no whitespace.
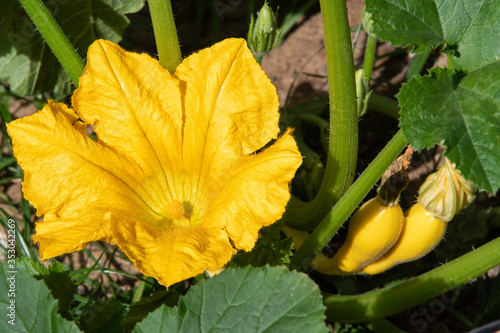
{"x":343,"y":144}
{"x":402,"y":296}
{"x":55,"y":38}
{"x":347,"y":204}
{"x":167,"y":42}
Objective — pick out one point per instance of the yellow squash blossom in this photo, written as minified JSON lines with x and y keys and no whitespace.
{"x":174,"y":177}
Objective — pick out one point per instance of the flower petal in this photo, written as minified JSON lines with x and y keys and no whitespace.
{"x":135,"y":107}
{"x":76,"y":183}
{"x":231,"y":109}
{"x":173,"y":255}
{"x":255,"y":192}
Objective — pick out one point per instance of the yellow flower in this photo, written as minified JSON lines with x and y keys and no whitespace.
{"x":174,"y":177}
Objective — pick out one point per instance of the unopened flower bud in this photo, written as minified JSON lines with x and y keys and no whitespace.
{"x":362,"y":91}
{"x":263,"y":34}
{"x":445,"y":192}
{"x":366,"y":19}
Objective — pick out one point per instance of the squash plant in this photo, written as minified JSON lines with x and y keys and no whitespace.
{"x":457,"y":107}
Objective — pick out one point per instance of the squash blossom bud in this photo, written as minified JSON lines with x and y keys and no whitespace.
{"x":263,"y":34}
{"x":366,"y":20}
{"x":362,"y":91}
{"x":445,"y":192}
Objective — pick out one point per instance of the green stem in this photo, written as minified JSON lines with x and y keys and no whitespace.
{"x":347,"y":204}
{"x":55,"y":38}
{"x":371,"y":45}
{"x":342,"y":151}
{"x":363,"y":77}
{"x":397,"y":298}
{"x":314,"y":119}
{"x":451,"y":61}
{"x":309,"y":156}
{"x":383,"y":326}
{"x":138,"y":292}
{"x":384,"y":105}
{"x":417,"y":64}
{"x":167,"y":43}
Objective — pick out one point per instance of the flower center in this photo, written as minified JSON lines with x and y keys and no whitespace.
{"x":175,"y":209}
{"x":177,"y":214}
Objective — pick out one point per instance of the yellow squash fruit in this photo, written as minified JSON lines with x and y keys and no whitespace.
{"x":325,"y":265}
{"x":321,"y":263}
{"x":421,"y":233}
{"x":373,"y":230}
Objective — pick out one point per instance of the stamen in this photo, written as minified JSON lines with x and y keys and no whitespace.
{"x":174,"y":210}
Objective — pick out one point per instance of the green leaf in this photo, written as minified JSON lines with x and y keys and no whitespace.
{"x":138,"y":311}
{"x":27,"y":63}
{"x":57,"y":279}
{"x":270,"y":249}
{"x":267,"y":299}
{"x":35,"y":309}
{"x":462,"y":112}
{"x":459,"y":109}
{"x":103,"y":316}
{"x":470,"y":30}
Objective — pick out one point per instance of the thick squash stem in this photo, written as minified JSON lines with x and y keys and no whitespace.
{"x":343,"y":146}
{"x":167,"y":42}
{"x":402,"y":296}
{"x":55,"y":38}
{"x":347,"y":204}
